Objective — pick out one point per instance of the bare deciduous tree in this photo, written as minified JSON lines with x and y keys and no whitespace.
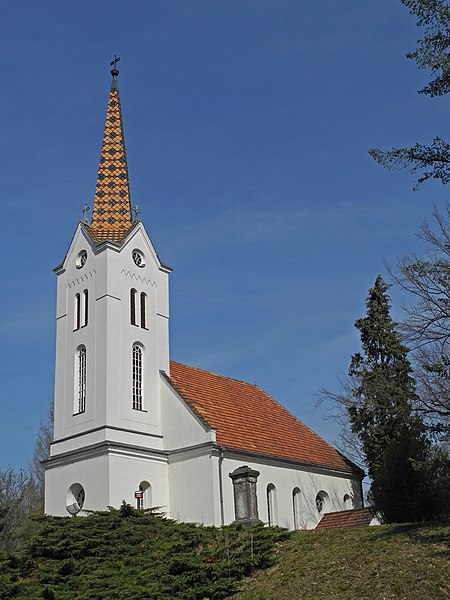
{"x":427,"y":323}
{"x":41,"y":452}
{"x":19,"y":497}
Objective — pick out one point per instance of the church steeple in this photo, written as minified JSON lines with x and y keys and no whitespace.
{"x":111,"y":215}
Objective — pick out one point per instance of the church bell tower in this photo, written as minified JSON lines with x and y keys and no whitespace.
{"x":112,"y":314}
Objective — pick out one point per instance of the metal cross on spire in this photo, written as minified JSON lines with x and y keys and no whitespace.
{"x":136,"y":211}
{"x":113,"y":64}
{"x":85,"y":210}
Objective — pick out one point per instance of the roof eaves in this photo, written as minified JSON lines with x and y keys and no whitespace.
{"x":163,"y":266}
{"x":292,"y":461}
{"x":82,"y":227}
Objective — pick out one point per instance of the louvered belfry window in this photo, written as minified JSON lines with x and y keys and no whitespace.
{"x":77,"y":319}
{"x":137,"y":377}
{"x":143,"y":310}
{"x":85,"y":308}
{"x":133,"y":294}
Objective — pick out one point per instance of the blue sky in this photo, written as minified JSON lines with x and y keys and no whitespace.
{"x":247,"y":127}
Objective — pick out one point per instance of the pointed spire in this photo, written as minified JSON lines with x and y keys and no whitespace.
{"x":111,"y":214}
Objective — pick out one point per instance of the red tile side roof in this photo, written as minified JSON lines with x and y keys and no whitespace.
{"x":345,"y":518}
{"x":111,"y":214}
{"x":247,"y":418}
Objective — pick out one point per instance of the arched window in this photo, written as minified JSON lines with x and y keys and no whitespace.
{"x":85,"y":308}
{"x":138,"y":308}
{"x":137,"y":377}
{"x":347,"y":502}
{"x":133,"y":294}
{"x":144,"y":499}
{"x":296,"y":507}
{"x":271,"y":504}
{"x":143,"y":310}
{"x":80,"y":380}
{"x":77,"y":312}
{"x":322,"y":501}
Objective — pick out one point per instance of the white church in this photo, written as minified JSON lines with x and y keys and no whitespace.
{"x":130,"y":424}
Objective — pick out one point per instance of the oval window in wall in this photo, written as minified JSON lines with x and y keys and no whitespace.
{"x":75,"y":499}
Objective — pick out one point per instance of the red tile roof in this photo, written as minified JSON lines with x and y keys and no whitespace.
{"x":247,"y":418}
{"x":345,"y":518}
{"x":111,"y":214}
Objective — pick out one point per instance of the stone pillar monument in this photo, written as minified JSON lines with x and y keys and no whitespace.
{"x":245,"y":500}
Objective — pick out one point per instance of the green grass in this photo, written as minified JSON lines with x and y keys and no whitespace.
{"x":389,"y":561}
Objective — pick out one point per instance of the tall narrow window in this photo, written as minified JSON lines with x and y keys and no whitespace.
{"x":80,"y":388}
{"x":85,"y":308}
{"x":143,"y":310}
{"x":271,"y":504}
{"x":133,"y":294}
{"x":77,"y":312}
{"x":137,"y":377}
{"x":296,"y":507}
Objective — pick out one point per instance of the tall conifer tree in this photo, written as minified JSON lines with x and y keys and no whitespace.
{"x":382,"y":384}
{"x":410,"y":476}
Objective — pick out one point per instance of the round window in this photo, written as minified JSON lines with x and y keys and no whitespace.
{"x":75,"y":498}
{"x":138,"y":258}
{"x":81,"y":259}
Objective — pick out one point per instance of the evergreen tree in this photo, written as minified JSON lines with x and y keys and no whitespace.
{"x":382,"y":385}
{"x":413,"y":481}
{"x":432,"y":53}
{"x":409,"y":475}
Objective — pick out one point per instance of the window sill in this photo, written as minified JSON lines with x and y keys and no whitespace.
{"x":140,"y":410}
{"x":78,"y":413}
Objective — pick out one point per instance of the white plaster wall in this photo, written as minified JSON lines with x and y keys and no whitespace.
{"x":127,"y":472}
{"x":69,"y":283}
{"x":108,"y":480}
{"x":192,"y":489}
{"x":285,"y":479}
{"x":92,"y":474}
{"x":108,"y":275}
{"x":123,"y":275}
{"x":122,"y":436}
{"x":181,"y":427}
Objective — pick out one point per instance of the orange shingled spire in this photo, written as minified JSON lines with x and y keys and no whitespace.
{"x":111,"y":215}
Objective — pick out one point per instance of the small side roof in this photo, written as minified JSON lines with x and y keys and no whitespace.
{"x":355,"y":517}
{"x":246,"y":418}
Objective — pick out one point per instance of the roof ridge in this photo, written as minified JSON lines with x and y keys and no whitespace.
{"x":218,"y":375}
{"x":350,"y":510}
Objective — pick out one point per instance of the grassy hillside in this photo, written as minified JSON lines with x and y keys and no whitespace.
{"x":403,"y":561}
{"x":128,"y":554}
